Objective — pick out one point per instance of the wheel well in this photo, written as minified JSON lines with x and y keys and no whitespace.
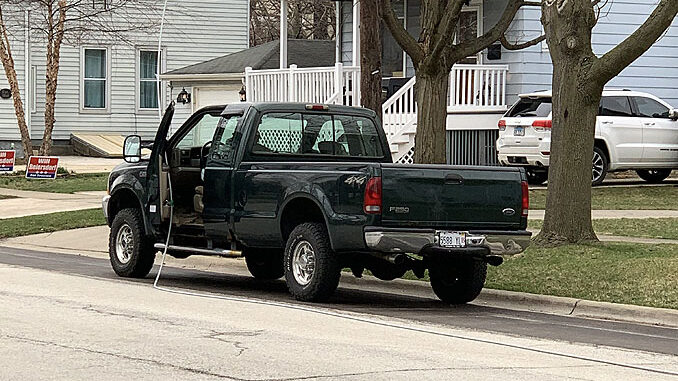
{"x":601,"y":144}
{"x":298,"y":211}
{"x":122,"y":199}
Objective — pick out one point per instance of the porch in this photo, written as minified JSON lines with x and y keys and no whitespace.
{"x":476,"y":100}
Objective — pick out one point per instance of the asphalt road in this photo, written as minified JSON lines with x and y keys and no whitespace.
{"x":381,"y":300}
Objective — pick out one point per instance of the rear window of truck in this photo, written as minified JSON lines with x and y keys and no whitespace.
{"x":531,"y":107}
{"x":317,"y":134}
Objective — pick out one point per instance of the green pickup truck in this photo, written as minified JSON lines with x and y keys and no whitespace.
{"x":304,"y":191}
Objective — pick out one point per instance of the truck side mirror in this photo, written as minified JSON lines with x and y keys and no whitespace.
{"x":673,"y":114}
{"x":131,"y":150}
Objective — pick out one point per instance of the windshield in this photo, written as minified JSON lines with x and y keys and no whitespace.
{"x":537,"y":107}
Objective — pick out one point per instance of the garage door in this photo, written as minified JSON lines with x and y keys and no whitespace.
{"x":210,"y":96}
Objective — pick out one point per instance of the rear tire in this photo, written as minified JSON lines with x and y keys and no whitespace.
{"x":312,"y":269}
{"x":653,"y":176}
{"x":265,"y":264}
{"x":536,"y":177}
{"x":131,"y":252}
{"x":599,"y":166}
{"x":457,"y":281}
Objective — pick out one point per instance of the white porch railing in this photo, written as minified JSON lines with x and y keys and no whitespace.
{"x":334,"y":85}
{"x":477,"y":88}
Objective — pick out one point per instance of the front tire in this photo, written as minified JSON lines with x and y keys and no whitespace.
{"x":653,"y":176}
{"x":265,"y":264}
{"x":458,"y":281}
{"x":131,"y":252}
{"x":600,"y":166}
{"x":312,"y":269}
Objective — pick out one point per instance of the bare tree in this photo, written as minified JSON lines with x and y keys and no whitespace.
{"x":56,"y":22}
{"x":370,"y":55}
{"x":578,"y":80}
{"x":433,"y":55}
{"x":8,"y":64}
{"x":307,"y":20}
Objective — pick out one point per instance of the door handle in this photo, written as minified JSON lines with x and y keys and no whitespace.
{"x":454,"y":179}
{"x":607,"y":122}
{"x":650,"y":124}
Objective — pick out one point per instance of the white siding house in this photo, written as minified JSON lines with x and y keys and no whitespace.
{"x":108,"y":86}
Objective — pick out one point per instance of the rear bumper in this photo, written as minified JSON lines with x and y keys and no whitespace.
{"x":415,"y":240}
{"x":524,"y":157}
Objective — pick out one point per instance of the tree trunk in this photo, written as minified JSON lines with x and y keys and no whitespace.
{"x":370,"y":55}
{"x":576,"y":97}
{"x":8,"y":63}
{"x":431,"y":94}
{"x":54,"y":40}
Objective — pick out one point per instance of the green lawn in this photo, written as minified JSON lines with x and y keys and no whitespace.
{"x":19,"y":226}
{"x":609,"y":272}
{"x":660,"y":197}
{"x":62,"y":184}
{"x":666,"y":228}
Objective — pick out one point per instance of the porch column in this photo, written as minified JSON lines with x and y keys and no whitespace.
{"x":283,"y":34}
{"x":337,"y":31}
{"x":356,"y":33}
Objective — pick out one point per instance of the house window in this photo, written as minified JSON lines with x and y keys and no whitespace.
{"x":95,"y":79}
{"x":148,"y":86}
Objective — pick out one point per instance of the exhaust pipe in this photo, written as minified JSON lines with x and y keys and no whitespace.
{"x":396,"y":259}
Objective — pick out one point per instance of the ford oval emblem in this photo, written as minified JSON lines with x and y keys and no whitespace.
{"x":509,"y":211}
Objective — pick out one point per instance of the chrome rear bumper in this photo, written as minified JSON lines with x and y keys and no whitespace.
{"x":415,"y":240}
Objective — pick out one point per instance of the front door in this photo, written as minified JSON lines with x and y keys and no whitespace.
{"x":622,"y":131}
{"x":660,"y":134}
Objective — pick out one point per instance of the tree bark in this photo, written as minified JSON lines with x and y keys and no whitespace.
{"x":370,"y":55}
{"x":54,"y":40}
{"x":431,"y":94}
{"x":8,"y":63}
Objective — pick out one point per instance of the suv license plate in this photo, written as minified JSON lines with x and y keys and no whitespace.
{"x":452,"y":239}
{"x":518,"y":131}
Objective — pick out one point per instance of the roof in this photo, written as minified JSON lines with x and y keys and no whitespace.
{"x":303,"y":53}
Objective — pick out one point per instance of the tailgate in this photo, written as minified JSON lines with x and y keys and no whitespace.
{"x":451,"y":197}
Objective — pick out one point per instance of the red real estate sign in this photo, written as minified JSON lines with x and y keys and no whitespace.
{"x":42,"y":167}
{"x":7,"y":161}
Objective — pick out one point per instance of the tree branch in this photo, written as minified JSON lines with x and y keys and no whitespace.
{"x":404,"y":39}
{"x":517,"y":46}
{"x":621,"y":56}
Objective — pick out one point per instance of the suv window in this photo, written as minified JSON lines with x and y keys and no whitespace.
{"x":539,"y":107}
{"x":615,"y":106}
{"x":650,"y":108}
{"x":317,"y":134}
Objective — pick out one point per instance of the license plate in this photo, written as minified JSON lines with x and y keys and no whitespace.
{"x":452,"y":239}
{"x":518,"y":131}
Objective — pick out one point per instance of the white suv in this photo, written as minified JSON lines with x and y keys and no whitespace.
{"x":633,"y":131}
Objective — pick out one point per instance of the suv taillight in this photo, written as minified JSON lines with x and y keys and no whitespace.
{"x":372,"y":201}
{"x":501,"y":125}
{"x":542,"y":125}
{"x":526,"y":198}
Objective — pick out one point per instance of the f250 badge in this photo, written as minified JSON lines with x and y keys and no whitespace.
{"x":355,"y":180}
{"x":399,"y":209}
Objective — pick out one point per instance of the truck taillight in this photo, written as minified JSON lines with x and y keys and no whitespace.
{"x":526,"y":198}
{"x":501,"y":125}
{"x":542,"y":125}
{"x":372,"y":201}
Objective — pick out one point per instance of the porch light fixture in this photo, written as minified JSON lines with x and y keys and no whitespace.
{"x":184,"y":97}
{"x":243,"y":94}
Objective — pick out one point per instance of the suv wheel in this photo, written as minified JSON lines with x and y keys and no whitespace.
{"x":653,"y":176}
{"x":600,"y":165}
{"x":458,"y":281}
{"x":312,"y":269}
{"x":536,"y":177}
{"x":265,"y":264}
{"x":131,"y":252}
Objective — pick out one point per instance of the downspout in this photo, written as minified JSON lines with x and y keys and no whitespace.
{"x":28,"y":93}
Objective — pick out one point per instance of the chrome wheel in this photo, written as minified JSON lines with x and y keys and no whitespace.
{"x":303,"y":262}
{"x":124,"y":244}
{"x":598,"y":166}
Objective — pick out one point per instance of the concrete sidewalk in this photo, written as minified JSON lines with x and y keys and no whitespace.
{"x":30,"y":203}
{"x":612,"y":214}
{"x":83,"y":164}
